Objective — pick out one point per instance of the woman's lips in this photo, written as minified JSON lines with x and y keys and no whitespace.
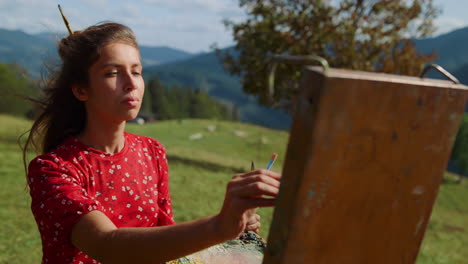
{"x":131,"y":102}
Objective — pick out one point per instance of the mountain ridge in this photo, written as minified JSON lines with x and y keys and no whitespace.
{"x":32,"y":50}
{"x":204,"y":71}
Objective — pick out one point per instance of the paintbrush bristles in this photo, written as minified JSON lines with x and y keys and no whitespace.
{"x":274,"y":156}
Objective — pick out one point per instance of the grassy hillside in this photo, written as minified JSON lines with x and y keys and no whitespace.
{"x":446,"y":239}
{"x":199,"y":170}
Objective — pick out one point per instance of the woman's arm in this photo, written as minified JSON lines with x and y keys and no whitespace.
{"x":98,"y":237}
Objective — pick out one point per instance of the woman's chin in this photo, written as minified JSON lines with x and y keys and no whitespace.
{"x":131,"y":115}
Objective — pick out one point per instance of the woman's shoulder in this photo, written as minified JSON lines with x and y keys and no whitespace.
{"x":143,"y":141}
{"x":67,"y":152}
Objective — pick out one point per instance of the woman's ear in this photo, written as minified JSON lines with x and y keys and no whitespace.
{"x":80,"y":92}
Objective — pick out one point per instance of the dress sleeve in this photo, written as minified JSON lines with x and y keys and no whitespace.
{"x":59,"y":198}
{"x":164,"y":198}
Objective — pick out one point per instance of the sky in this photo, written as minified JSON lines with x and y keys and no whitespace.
{"x":189,"y":25}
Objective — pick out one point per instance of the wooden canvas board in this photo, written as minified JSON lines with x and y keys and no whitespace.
{"x":365,"y":160}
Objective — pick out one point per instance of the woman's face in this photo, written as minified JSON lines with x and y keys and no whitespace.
{"x":116,"y":86}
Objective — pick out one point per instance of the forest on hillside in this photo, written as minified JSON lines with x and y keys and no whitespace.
{"x":20,"y":96}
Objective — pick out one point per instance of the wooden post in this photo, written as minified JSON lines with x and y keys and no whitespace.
{"x":365,"y":160}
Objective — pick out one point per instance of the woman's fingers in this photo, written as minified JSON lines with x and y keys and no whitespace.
{"x":256,"y":178}
{"x":253,"y":219}
{"x":257,"y":172}
{"x":249,"y":203}
{"x":253,"y":223}
{"x":252,"y":184}
{"x":253,"y":189}
{"x":253,"y":227}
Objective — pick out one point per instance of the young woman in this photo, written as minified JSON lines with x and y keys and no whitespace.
{"x":101,"y":194}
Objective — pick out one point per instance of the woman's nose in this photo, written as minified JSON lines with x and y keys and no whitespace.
{"x":130,"y":82}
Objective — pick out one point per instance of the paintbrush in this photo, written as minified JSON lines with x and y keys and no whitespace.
{"x":272,"y":161}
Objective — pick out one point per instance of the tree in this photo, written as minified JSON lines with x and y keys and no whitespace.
{"x":460,"y":147}
{"x":159,"y":103}
{"x":369,"y":35}
{"x":182,"y":102}
{"x":15,"y":87}
{"x":147,"y":103}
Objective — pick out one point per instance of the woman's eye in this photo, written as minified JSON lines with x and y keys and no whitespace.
{"x":136,"y":73}
{"x":112,"y":73}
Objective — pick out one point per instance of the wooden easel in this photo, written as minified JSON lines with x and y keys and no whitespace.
{"x":366,"y":156}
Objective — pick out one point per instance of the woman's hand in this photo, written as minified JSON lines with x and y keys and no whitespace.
{"x":245,"y":192}
{"x":253,"y":221}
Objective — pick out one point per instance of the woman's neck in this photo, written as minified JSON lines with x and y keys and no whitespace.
{"x":106,"y":137}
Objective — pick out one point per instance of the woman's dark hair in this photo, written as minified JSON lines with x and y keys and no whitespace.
{"x":62,"y":114}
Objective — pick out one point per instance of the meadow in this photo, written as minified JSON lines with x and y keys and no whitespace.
{"x":199,"y":170}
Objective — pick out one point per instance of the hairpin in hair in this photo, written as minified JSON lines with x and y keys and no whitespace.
{"x":65,"y":21}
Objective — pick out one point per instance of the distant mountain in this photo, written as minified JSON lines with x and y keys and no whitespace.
{"x":462,"y":74}
{"x":450,"y":47}
{"x":31,"y":51}
{"x":160,"y":55}
{"x":452,"y":51}
{"x":150,"y":55}
{"x":26,"y":50}
{"x":205,"y":72}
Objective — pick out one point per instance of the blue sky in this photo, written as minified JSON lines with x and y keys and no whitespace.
{"x":190,"y":25}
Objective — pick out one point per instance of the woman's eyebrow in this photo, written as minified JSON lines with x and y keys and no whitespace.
{"x":110,"y":65}
{"x":113,"y":64}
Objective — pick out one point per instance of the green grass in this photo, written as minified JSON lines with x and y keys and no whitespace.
{"x":19,"y":238}
{"x":446,"y":239}
{"x":199,"y":171}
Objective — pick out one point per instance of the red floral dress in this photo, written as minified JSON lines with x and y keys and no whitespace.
{"x":130,"y":187}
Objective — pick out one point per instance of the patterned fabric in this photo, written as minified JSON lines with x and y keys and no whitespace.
{"x":130,"y":187}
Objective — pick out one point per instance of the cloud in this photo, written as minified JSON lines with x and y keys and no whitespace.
{"x":189,"y":28}
{"x":217,"y":6}
{"x":447,"y":24}
{"x":191,"y":25}
{"x":30,"y":16}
